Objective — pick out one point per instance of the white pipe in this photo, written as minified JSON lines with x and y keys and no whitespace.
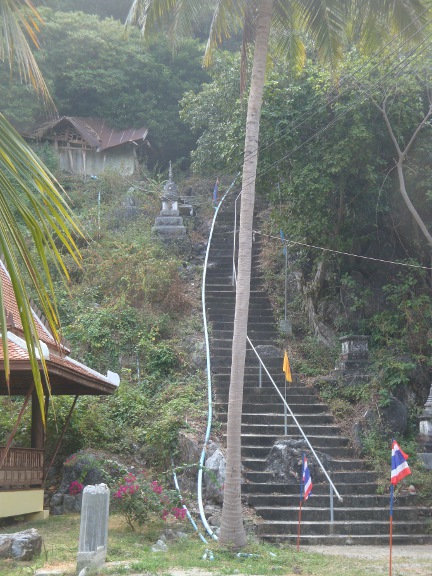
{"x":209,"y":384}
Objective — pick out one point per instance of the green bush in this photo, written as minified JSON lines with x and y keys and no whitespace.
{"x":138,"y":499}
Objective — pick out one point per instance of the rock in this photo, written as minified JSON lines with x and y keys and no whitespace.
{"x":268,"y":351}
{"x":160,"y":546}
{"x":211,"y":448}
{"x":214,"y":476}
{"x":50,"y":572}
{"x":396,"y":416}
{"x":24,"y":545}
{"x":285,"y":461}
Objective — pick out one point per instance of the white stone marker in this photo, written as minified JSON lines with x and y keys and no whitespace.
{"x":93,"y":538}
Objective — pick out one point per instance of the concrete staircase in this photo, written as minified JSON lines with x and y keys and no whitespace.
{"x":363,"y":516}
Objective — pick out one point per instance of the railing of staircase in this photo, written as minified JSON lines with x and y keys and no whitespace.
{"x":209,"y":383}
{"x":287,"y":407}
{"x":234,"y":274}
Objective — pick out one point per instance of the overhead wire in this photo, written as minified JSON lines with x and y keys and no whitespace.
{"x":288,"y":243}
{"x":366,"y":94}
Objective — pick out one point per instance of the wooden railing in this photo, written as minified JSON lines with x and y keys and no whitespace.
{"x":23,"y":467}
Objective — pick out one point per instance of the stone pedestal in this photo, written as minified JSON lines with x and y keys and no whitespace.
{"x":425,"y":436}
{"x":353,"y":363}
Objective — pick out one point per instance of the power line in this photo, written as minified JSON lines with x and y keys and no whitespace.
{"x":289,"y":243}
{"x":365,"y":95}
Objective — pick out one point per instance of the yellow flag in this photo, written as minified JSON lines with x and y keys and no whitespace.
{"x":286,"y":368}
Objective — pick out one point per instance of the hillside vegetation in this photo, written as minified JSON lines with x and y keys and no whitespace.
{"x":358,"y":258}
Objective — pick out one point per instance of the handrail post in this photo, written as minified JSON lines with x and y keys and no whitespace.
{"x":260,"y":375}
{"x":331,"y":505}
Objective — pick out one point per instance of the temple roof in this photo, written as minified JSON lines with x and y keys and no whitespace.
{"x":67,"y":376}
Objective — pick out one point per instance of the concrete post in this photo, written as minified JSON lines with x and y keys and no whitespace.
{"x":93,"y":538}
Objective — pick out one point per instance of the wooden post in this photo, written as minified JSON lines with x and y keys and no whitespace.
{"x":37,"y":427}
{"x":15,"y":428}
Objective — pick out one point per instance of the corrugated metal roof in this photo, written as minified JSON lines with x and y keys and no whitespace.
{"x":95,"y":131}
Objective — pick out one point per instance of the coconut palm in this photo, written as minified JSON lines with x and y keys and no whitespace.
{"x":35,"y":220}
{"x":329,"y":23}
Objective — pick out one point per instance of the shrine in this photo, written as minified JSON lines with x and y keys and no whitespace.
{"x":23,"y":470}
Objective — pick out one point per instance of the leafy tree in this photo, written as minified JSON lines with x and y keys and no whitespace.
{"x":93,"y":70}
{"x":326,"y":25}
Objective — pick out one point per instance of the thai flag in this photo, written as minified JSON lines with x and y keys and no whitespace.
{"x":306,"y":480}
{"x":399,"y":464}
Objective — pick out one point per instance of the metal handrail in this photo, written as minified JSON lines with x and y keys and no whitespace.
{"x":332,"y":486}
{"x":286,"y":405}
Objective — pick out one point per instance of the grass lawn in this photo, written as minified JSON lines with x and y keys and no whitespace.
{"x":185,"y":556}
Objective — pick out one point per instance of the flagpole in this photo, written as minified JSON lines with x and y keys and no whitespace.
{"x":300,"y":507}
{"x":391,"y":526}
{"x":299,"y":522}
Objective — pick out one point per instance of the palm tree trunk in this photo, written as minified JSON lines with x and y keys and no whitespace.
{"x":232,"y":530}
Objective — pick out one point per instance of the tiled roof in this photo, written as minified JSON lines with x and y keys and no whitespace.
{"x":69,"y":375}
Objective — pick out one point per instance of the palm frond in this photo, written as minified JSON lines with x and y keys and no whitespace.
{"x":325,"y":22}
{"x":228,"y":17}
{"x":375,"y":21}
{"x":28,"y":190}
{"x":19,"y":18}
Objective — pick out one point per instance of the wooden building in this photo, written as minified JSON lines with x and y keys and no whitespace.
{"x":23,"y":469}
{"x":88,"y":146}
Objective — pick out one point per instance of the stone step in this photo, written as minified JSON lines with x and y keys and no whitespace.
{"x":342,"y":528}
{"x":268,"y":488}
{"x":330,"y":432}
{"x":338,"y":462}
{"x":338,"y":477}
{"x":313,"y":420}
{"x":323,"y":500}
{"x":321,"y":443}
{"x":249,"y":394}
{"x":311,"y":410}
{"x":344,"y":540}
{"x":254,"y":462}
{"x":341,"y":514}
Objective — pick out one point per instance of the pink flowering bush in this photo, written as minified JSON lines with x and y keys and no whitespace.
{"x":138,"y":500}
{"x":75,"y":488}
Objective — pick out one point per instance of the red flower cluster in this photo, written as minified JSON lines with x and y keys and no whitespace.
{"x":179,"y":513}
{"x":75,"y":488}
{"x":156,"y":487}
{"x":126,"y":489}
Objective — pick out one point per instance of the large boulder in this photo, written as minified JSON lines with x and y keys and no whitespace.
{"x":25,"y":545}
{"x":214,"y":477}
{"x":285,"y":462}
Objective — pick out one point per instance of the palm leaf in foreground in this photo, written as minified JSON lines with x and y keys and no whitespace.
{"x":28,"y":194}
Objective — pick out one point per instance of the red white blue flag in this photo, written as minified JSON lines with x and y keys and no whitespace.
{"x":306,"y":480}
{"x":399,"y":464}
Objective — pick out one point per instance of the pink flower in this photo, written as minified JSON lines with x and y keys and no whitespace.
{"x":75,"y":488}
{"x":156,"y":487}
{"x":179,"y":513}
